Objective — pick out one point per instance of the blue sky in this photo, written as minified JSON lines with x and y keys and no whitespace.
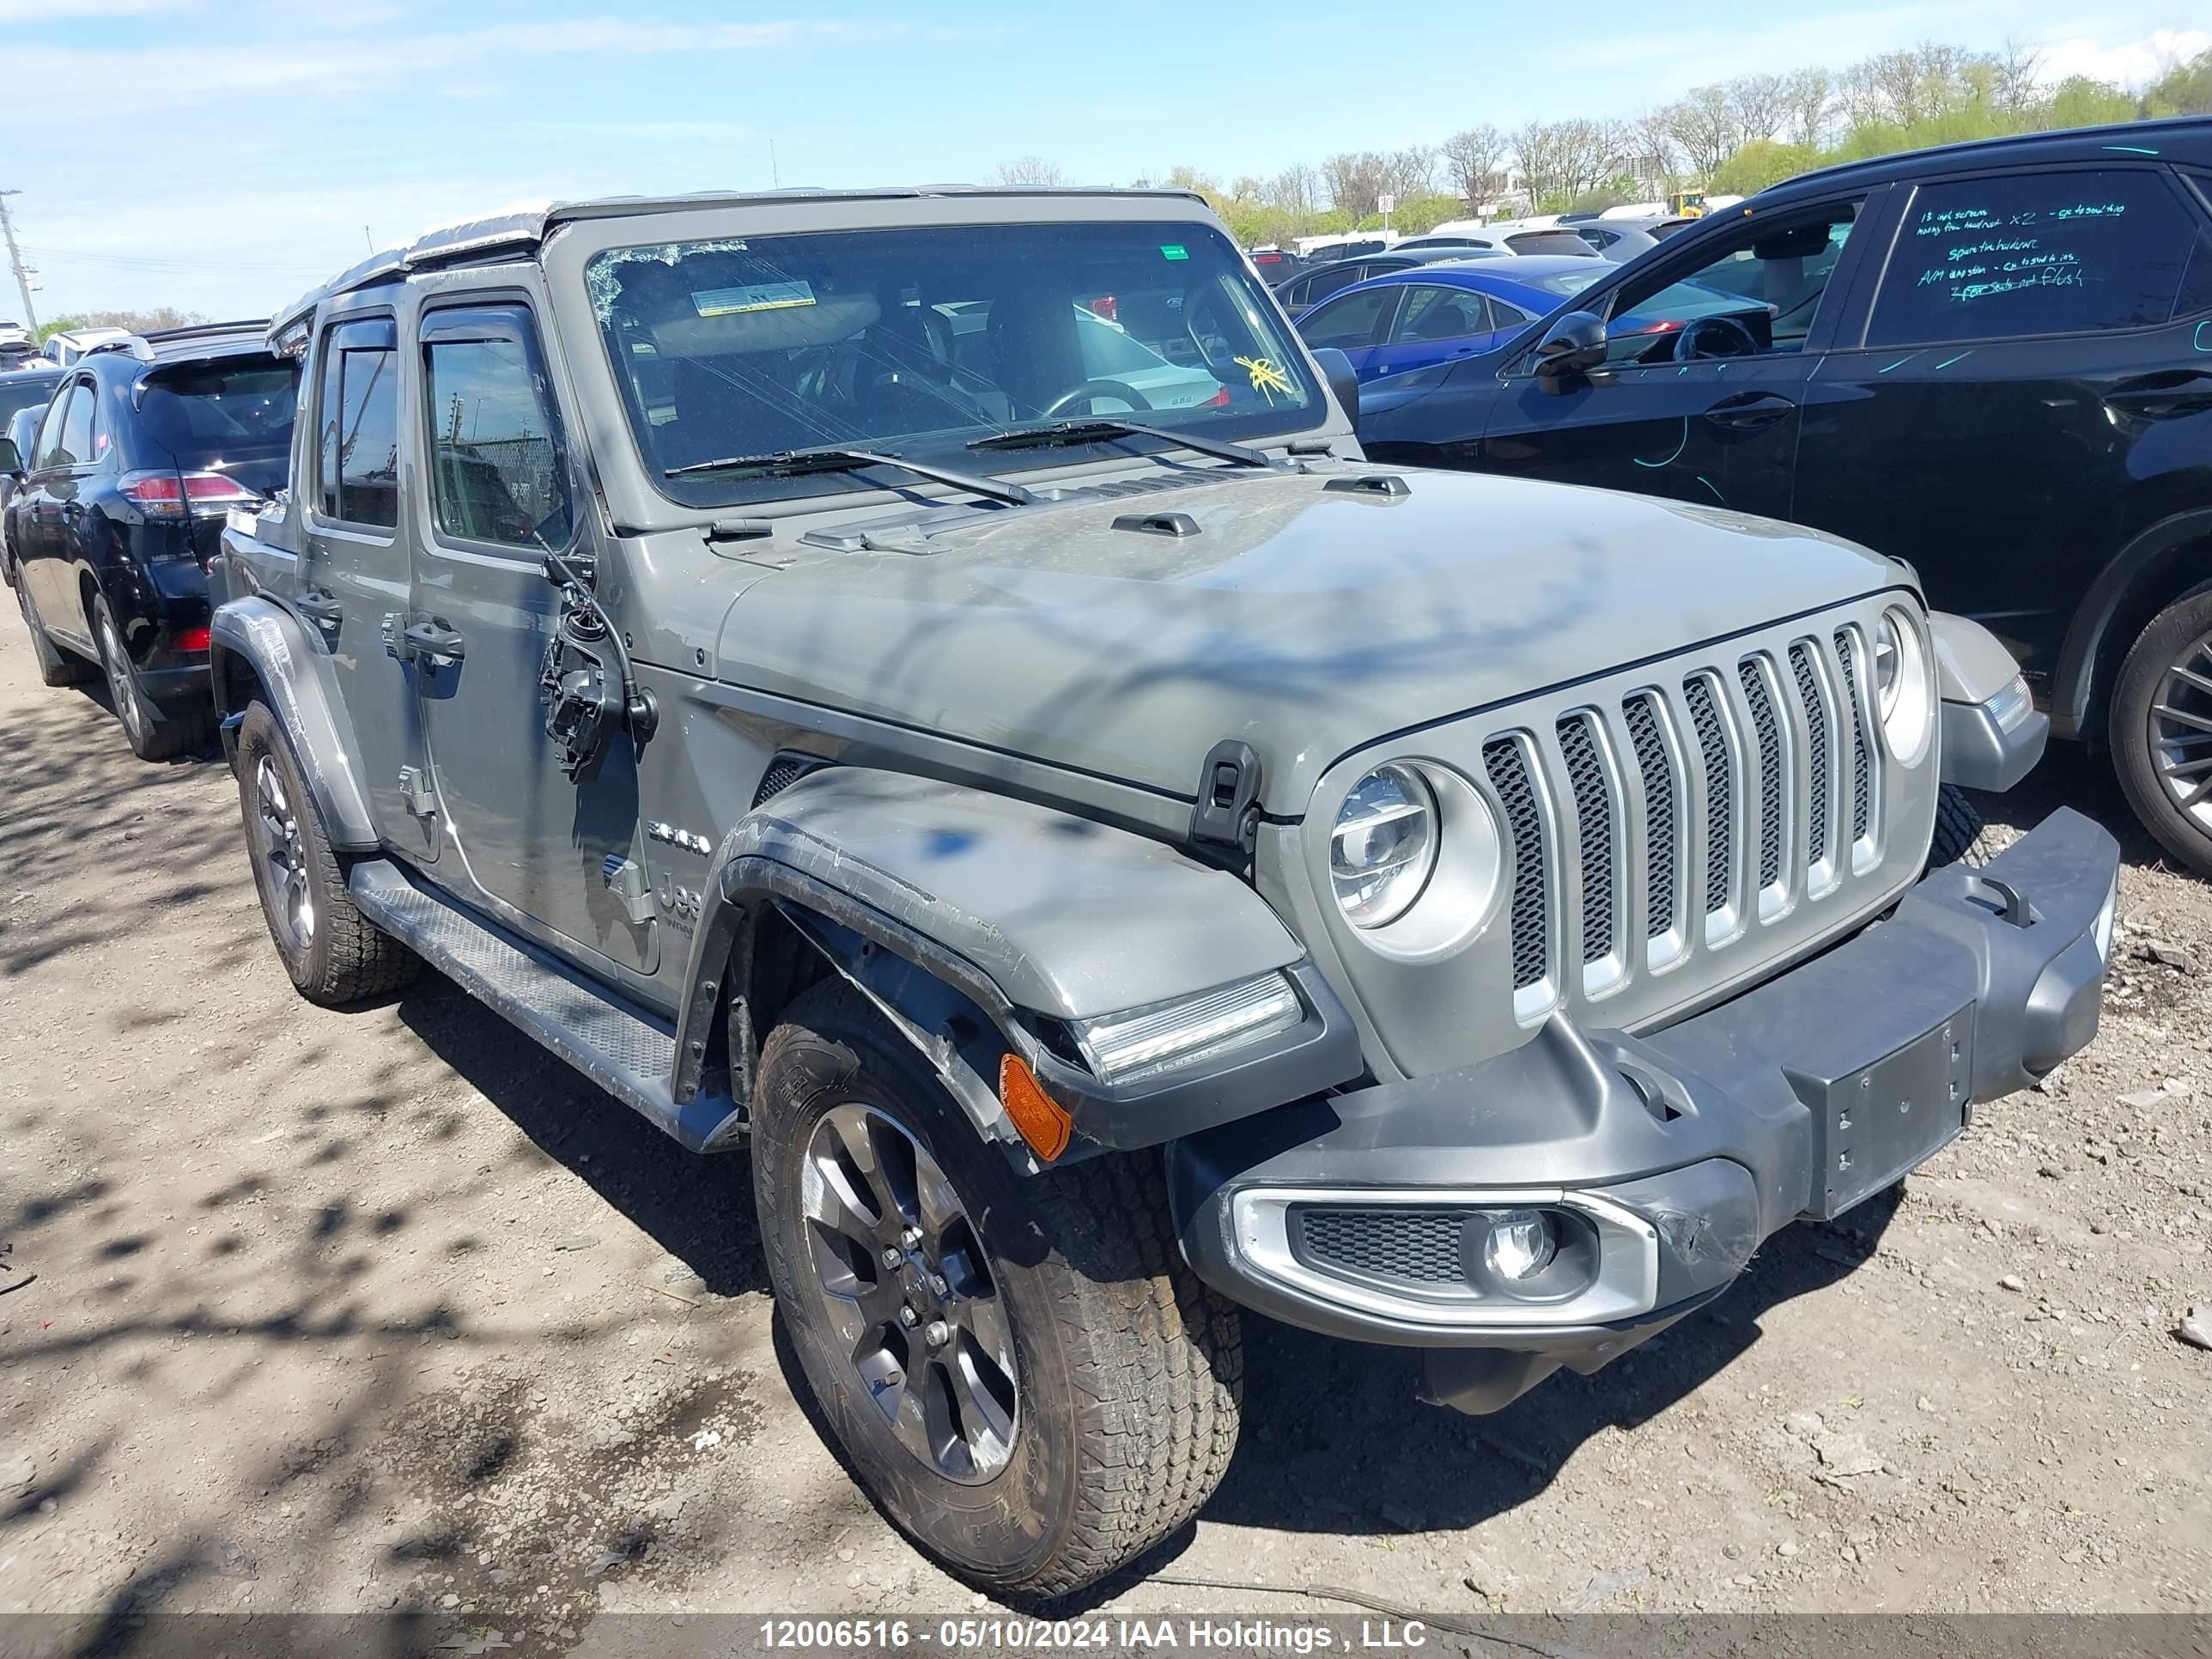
{"x":221,"y":155}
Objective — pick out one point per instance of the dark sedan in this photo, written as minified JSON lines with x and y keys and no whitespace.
{"x":1992,"y":360}
{"x":146,"y":444}
{"x":1317,"y":283}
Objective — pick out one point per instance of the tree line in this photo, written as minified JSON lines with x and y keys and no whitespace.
{"x":1733,"y":137}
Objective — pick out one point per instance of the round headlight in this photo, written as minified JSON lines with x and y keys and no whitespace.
{"x":1383,"y":847}
{"x":1905,"y":702}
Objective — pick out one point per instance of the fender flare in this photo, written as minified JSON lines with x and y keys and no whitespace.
{"x":1018,"y":912}
{"x":2074,"y":686}
{"x":270,"y":639}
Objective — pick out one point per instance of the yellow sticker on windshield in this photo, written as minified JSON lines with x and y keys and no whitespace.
{"x":1268,"y":377}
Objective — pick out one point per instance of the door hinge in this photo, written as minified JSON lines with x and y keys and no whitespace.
{"x":1227,"y":812}
{"x":415,"y":790}
{"x":625,"y":880}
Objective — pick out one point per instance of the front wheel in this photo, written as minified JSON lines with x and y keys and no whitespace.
{"x":2161,"y":729}
{"x":1023,"y":1372}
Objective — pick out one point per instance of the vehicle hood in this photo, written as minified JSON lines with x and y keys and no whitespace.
{"x":1305,"y":621}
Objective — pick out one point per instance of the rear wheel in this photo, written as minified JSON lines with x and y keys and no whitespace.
{"x":155,"y":733}
{"x":333,"y":953}
{"x":1022,"y":1370}
{"x":56,"y":665}
{"x":2161,"y":729}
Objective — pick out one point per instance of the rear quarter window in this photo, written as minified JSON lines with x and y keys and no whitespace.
{"x":2021,"y":254}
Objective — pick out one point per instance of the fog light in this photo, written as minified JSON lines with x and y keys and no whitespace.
{"x":1520,"y":1243}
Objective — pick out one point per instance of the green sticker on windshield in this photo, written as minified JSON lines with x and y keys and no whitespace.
{"x":1174,"y":250}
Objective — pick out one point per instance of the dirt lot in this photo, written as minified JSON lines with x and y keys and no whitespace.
{"x":348,"y":1311}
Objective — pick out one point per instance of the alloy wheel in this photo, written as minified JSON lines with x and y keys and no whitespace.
{"x":2180,"y":731}
{"x":903,"y":1277}
{"x":128,"y":706}
{"x":277,"y":830}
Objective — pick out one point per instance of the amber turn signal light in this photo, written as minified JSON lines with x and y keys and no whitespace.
{"x":1044,"y":1122}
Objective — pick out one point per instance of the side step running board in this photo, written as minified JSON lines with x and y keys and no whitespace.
{"x":630,"y":1054}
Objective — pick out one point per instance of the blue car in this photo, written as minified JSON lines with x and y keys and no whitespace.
{"x":1432,"y":314}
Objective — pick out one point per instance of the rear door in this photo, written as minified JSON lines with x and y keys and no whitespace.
{"x":2035,"y":352}
{"x":351,"y":588}
{"x":1707,"y":355}
{"x":529,"y":845}
{"x":66,"y":460}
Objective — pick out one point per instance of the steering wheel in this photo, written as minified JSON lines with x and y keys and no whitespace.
{"x":1733,"y":339}
{"x":1084,"y":390}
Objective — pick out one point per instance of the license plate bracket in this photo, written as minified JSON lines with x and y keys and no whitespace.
{"x":1874,"y":1125}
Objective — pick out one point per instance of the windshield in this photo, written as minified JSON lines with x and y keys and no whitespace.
{"x":214,"y":415}
{"x":919,"y":340}
{"x":25,"y":394}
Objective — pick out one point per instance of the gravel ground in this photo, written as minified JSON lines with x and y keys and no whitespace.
{"x":386,"y":1309}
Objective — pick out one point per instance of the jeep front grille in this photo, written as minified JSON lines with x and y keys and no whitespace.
{"x":1674,"y":819}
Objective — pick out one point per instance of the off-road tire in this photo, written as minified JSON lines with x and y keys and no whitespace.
{"x":1130,"y":1369}
{"x":346,"y":957}
{"x":153,"y":733}
{"x":2139,"y":688}
{"x":56,"y":665}
{"x":1961,"y":831}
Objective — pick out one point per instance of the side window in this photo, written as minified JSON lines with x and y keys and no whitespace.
{"x":76,"y":439}
{"x":2025,"y":253}
{"x":326,"y":437}
{"x":1347,"y":323}
{"x":1435,"y":313}
{"x":496,"y":460}
{"x":367,"y":437}
{"x":1503,"y":315}
{"x":53,"y":434}
{"x":1756,"y":290}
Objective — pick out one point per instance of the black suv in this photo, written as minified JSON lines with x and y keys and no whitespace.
{"x":1993,"y":360}
{"x":146,"y":445}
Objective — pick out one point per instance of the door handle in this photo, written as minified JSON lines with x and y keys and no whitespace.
{"x":430,"y":639}
{"x":1750,"y":411}
{"x":319,"y":605}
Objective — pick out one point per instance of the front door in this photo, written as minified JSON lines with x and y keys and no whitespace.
{"x":2031,"y":357}
{"x":1353,"y":324}
{"x":1706,"y":357}
{"x":1435,"y":324}
{"x":530,"y":845}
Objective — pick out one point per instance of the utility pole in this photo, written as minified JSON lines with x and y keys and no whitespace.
{"x":15,"y":264}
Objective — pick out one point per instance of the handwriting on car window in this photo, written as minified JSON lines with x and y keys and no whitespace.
{"x":1987,"y":254}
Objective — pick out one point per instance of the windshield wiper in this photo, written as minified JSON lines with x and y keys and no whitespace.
{"x":790,"y":462}
{"x":1043,"y":436}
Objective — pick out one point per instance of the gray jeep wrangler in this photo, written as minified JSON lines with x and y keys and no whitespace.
{"x":920,"y":685}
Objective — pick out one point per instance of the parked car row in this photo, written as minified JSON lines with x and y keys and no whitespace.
{"x":1993,"y":362}
{"x":116,"y":489}
{"x":931,"y":688}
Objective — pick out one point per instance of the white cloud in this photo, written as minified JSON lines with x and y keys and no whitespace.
{"x":41,"y":78}
{"x":26,"y":12}
{"x":2130,"y":64}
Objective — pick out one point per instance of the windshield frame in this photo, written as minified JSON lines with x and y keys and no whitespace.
{"x":610,"y":412}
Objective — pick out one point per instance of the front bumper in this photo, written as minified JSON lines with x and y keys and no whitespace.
{"x":1663,"y":1159}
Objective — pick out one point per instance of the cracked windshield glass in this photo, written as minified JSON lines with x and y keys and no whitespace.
{"x":920,"y":341}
